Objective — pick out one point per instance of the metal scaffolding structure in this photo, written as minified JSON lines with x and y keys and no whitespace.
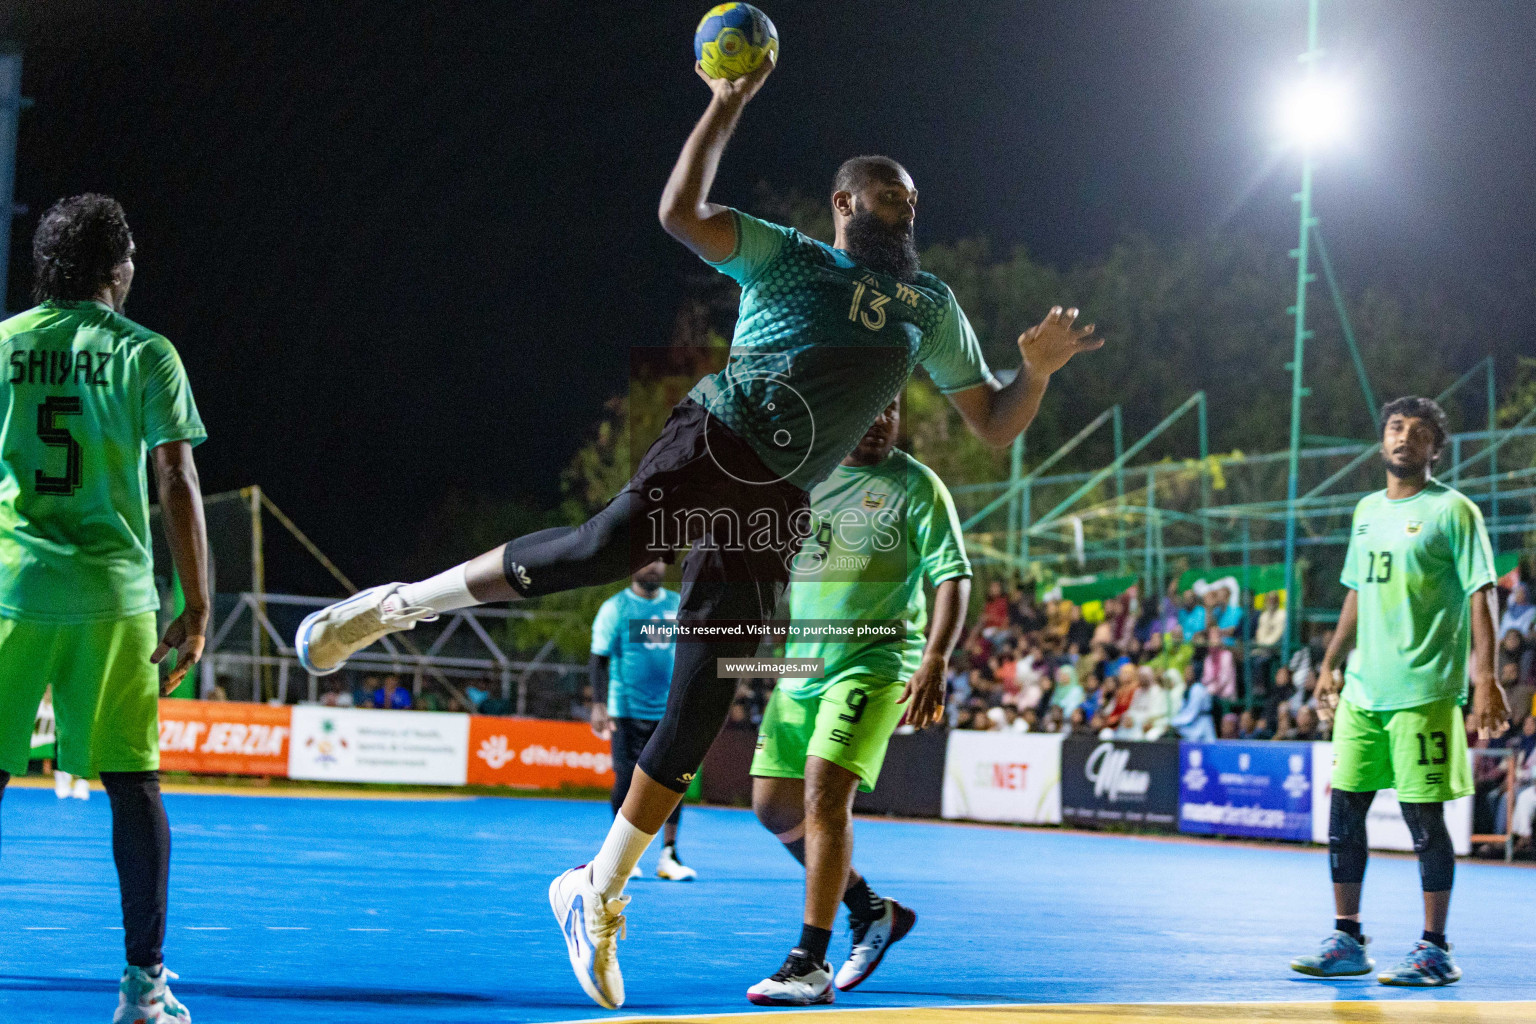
{"x":1157,"y":519}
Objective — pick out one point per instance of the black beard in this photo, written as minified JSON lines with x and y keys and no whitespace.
{"x":882,"y":247}
{"x":1404,"y":470}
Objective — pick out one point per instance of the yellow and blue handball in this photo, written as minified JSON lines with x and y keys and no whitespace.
{"x":733,"y":40}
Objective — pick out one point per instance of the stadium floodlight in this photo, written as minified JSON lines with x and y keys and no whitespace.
{"x":1315,"y":112}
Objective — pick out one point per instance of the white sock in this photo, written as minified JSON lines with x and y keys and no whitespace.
{"x":445,"y":592}
{"x":620,"y":853}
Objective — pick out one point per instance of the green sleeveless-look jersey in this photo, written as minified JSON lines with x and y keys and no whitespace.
{"x":86,"y":392}
{"x":880,"y":530}
{"x":1414,"y":564}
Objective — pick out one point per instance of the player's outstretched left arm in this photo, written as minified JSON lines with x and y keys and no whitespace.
{"x":1490,"y":711}
{"x":924,"y":692}
{"x":998,"y":415}
{"x":181,"y":504}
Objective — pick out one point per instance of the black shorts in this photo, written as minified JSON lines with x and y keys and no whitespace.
{"x":702,"y":487}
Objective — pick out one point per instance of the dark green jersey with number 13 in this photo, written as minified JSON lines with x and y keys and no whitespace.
{"x":86,"y":393}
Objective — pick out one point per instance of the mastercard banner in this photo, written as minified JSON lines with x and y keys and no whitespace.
{"x":529,"y":753}
{"x":224,"y":738}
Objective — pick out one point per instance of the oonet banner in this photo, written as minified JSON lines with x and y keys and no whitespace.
{"x":1120,"y":782}
{"x":1003,"y":776}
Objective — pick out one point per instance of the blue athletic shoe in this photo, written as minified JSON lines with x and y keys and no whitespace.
{"x":1425,"y":966}
{"x":1342,"y":956}
{"x":592,"y":927}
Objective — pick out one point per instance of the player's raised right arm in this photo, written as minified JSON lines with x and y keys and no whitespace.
{"x":686,"y":212}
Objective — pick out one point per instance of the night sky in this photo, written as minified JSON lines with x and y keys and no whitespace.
{"x":404,"y":247}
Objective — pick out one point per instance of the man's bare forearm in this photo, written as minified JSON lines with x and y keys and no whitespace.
{"x":1483,"y":647}
{"x":181,"y":505}
{"x":687,"y":190}
{"x":948,"y":619}
{"x":1344,"y":632}
{"x":997,"y":417}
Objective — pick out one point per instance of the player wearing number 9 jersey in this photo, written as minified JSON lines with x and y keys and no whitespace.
{"x":86,"y":394}
{"x":884,"y":524}
{"x":1419,"y":573}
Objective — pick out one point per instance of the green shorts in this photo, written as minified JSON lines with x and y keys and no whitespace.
{"x":849,"y":724}
{"x":106,"y":694}
{"x":1420,"y":752}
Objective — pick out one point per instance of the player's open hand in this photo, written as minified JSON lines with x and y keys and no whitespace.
{"x":924,"y":695}
{"x":740,"y":90}
{"x":1326,"y":693}
{"x":602,"y":725}
{"x":1490,"y":709}
{"x":185,"y":636}
{"x":1048,"y":345}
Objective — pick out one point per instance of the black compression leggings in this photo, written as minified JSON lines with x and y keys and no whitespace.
{"x":141,"y":847}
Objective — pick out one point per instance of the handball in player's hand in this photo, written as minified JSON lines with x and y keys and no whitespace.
{"x":733,"y":40}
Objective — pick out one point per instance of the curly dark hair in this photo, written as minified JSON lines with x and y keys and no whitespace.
{"x":1426,"y":409}
{"x":77,"y":245}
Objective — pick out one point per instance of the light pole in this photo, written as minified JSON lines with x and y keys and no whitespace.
{"x":1313,"y":114}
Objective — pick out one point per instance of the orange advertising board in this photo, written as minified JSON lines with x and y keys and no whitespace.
{"x":529,"y":753}
{"x":224,"y":738}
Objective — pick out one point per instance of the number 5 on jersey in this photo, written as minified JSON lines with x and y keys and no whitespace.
{"x":55,"y":436}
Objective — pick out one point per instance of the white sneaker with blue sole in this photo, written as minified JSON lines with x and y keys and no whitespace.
{"x":1342,"y":956}
{"x":1425,"y":966}
{"x":328,"y":637}
{"x":592,"y":927}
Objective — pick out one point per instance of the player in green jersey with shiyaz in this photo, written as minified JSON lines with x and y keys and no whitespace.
{"x":1419,"y":573}
{"x":884,"y":523}
{"x":827,"y":336}
{"x":87,"y":393}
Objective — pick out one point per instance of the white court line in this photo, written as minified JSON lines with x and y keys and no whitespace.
{"x":367,"y":929}
{"x":442,"y":931}
{"x":287,"y":928}
{"x":205,"y":928}
{"x":43,"y":928}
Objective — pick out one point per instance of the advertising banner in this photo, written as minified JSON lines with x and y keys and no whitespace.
{"x":1385,"y":828}
{"x":527,"y":753}
{"x":1003,"y":776}
{"x":1120,"y":782}
{"x":1257,"y":789}
{"x":357,"y":745}
{"x":224,"y":738}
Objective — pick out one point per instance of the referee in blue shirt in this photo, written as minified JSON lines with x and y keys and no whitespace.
{"x":630,"y":681}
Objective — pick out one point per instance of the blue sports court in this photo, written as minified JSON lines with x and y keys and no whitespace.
{"x":434,"y":910}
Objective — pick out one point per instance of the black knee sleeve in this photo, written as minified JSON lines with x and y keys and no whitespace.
{"x":1432,"y":842}
{"x":563,"y":558}
{"x":1347,"y":849}
{"x":141,"y":848}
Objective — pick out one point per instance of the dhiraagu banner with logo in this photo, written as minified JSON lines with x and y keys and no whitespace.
{"x":1262,"y":790}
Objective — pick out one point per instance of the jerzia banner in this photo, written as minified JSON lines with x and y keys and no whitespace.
{"x":1108,"y":782}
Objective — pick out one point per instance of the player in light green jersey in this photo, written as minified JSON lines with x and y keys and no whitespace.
{"x":1419,"y":571}
{"x":87,"y":393}
{"x":884,"y":523}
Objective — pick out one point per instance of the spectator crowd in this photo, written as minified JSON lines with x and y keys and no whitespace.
{"x":1192,"y":665}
